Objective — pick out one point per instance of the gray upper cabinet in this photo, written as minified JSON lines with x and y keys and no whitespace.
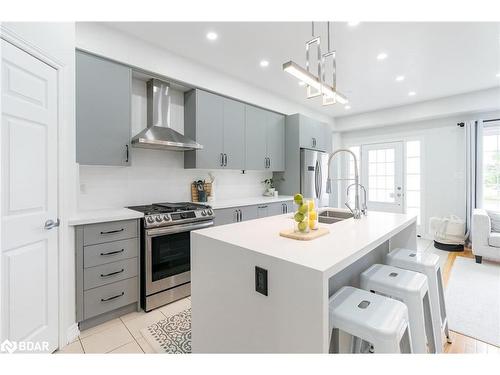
{"x":103,"y":111}
{"x":313,"y":134}
{"x":264,"y":140}
{"x":255,"y":138}
{"x":204,"y":122}
{"x":218,"y":123}
{"x":234,"y":134}
{"x":276,"y":141}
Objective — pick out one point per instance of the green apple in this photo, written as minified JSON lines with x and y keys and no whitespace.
{"x":299,"y":217}
{"x":298,"y":199}
{"x":303,"y":226}
{"x":303,"y":208}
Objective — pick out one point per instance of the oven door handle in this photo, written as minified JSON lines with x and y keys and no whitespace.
{"x":178,"y":228}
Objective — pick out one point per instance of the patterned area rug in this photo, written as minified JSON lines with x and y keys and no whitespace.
{"x":171,"y":335}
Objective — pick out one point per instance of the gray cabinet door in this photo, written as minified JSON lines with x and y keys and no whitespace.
{"x":276,"y":141}
{"x":248,"y":213}
{"x":276,"y":208}
{"x":225,"y":216}
{"x":103,"y":96}
{"x":255,"y":138}
{"x":209,"y":129}
{"x":234,"y":134}
{"x":262,"y":211}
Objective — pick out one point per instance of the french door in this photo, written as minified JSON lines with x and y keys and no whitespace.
{"x":382,"y":176}
{"x":29,"y":246}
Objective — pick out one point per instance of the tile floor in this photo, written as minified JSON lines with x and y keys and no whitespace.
{"x":122,"y":335}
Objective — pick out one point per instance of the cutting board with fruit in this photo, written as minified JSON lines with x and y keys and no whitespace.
{"x":306,"y":218}
{"x":304,"y":236}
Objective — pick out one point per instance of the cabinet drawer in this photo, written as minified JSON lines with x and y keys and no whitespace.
{"x":109,"y":273}
{"x":96,"y":255}
{"x":109,"y":297}
{"x":107,"y":232}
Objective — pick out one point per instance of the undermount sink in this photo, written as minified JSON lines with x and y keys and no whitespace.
{"x":331,"y":216}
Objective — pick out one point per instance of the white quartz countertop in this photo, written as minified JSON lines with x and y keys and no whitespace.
{"x":104,"y":215}
{"x":347,"y":241}
{"x":238,"y":202}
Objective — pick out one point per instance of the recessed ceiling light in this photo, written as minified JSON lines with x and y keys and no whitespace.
{"x":412,"y":93}
{"x":264,"y":63}
{"x":498,"y":75}
{"x":382,"y":56}
{"x":400,"y":78}
{"x":302,"y":83}
{"x":212,"y":36}
{"x":347,"y":107}
{"x":353,"y":23}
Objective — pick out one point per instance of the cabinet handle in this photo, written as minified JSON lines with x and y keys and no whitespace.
{"x":269,"y":162}
{"x":114,"y":252}
{"x":225,"y":160}
{"x":262,"y":206}
{"x":112,"y":273}
{"x":221,"y":159}
{"x":113,"y":231}
{"x":112,"y":298}
{"x":241,"y":215}
{"x":126,"y":153}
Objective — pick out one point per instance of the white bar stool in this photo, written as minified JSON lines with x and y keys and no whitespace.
{"x":428,"y":264}
{"x":374,"y":319}
{"x":410,"y":288}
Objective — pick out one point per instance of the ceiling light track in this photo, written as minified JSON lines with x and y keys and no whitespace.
{"x":317,"y":85}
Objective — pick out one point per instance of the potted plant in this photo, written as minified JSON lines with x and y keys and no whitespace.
{"x":269,"y":183}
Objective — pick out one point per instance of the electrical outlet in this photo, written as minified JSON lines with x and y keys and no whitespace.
{"x":261,"y":280}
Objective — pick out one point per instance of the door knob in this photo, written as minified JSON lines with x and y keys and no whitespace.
{"x":49,"y":224}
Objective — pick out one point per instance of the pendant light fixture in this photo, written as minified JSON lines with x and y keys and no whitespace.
{"x":317,"y":84}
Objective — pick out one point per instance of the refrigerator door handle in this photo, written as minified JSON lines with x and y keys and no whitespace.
{"x":316,"y":178}
{"x":320,"y":180}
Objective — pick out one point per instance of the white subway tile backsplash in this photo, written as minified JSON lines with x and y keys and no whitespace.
{"x":158,"y":176}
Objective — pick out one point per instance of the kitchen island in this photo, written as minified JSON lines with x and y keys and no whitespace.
{"x":229,"y":315}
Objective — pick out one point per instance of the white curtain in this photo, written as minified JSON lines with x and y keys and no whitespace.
{"x":473,"y":170}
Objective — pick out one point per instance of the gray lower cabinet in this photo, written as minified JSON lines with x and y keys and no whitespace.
{"x":103,"y":111}
{"x":242,"y":213}
{"x":107,"y":271}
{"x":218,"y":123}
{"x":264,"y":140}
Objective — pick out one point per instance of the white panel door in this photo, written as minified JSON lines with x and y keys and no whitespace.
{"x":382,"y":176}
{"x":29,"y":284}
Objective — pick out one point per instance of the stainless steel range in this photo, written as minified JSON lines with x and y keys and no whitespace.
{"x":165,"y":250}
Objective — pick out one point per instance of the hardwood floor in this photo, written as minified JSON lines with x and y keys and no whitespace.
{"x":460,"y":343}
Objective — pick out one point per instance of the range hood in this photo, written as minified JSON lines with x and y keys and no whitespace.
{"x":158,"y":133}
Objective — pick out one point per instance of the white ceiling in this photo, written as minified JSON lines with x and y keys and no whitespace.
{"x":437,"y":59}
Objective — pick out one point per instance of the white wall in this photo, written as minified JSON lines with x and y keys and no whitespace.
{"x":442,"y":163}
{"x":463,"y":104}
{"x":57,"y":40}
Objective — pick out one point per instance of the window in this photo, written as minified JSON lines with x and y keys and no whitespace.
{"x":381,"y":168}
{"x":491,"y":168}
{"x":413,"y":180}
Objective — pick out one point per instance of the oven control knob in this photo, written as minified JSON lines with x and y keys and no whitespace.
{"x":184,"y":215}
{"x":204,"y":213}
{"x":166,"y":217}
{"x":158,"y":218}
{"x":210,"y":212}
{"x":150,"y":219}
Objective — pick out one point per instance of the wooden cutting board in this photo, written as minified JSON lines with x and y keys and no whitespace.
{"x":313,"y":234}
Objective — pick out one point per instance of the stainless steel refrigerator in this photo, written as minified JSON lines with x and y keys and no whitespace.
{"x":313,"y":176}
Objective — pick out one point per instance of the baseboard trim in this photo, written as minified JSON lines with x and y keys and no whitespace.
{"x":72,"y":333}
